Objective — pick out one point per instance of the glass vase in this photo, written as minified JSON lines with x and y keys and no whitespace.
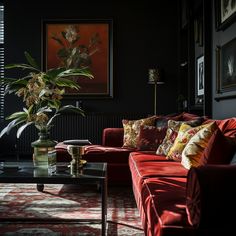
{"x":44,"y":157}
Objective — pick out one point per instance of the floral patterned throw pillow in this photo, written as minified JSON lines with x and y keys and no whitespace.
{"x":132,"y":129}
{"x":185,"y":133}
{"x":171,"y":134}
{"x":194,"y":149}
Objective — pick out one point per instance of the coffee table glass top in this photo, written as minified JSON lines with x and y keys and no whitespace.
{"x":91,"y":170}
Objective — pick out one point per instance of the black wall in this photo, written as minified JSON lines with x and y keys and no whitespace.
{"x":224,"y":108}
{"x":144,"y":36}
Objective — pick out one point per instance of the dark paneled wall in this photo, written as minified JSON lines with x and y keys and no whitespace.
{"x":144,"y":36}
{"x":71,"y":126}
{"x":224,"y":108}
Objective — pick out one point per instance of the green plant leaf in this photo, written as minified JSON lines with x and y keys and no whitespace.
{"x":52,"y":118}
{"x":21,"y":81}
{"x":20,"y":114}
{"x":11,"y":89}
{"x":69,"y":83}
{"x":22,"y":66}
{"x":54,"y":104}
{"x":72,"y":109}
{"x":53,"y":73}
{"x":11,"y":125}
{"x":21,"y":129}
{"x":44,"y":91}
{"x":44,"y":109}
{"x":76,"y":72}
{"x":31,"y":60}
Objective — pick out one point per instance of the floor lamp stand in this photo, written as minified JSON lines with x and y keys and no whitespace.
{"x":155,"y":98}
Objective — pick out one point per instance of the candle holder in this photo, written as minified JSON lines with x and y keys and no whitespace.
{"x":76,"y":153}
{"x":76,"y":149}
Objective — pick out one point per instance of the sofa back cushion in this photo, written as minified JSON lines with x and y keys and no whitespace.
{"x":112,"y":137}
{"x":189,"y":116}
{"x":227,"y":126}
{"x":220,"y":149}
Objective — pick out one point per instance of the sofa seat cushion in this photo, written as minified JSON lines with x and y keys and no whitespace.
{"x":146,"y":156}
{"x":151,"y":165}
{"x":148,"y":165}
{"x":164,"y":201}
{"x":97,"y":153}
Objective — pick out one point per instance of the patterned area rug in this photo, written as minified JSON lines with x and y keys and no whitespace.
{"x":67,"y":202}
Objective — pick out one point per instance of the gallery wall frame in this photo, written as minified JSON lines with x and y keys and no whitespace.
{"x":198,"y":31}
{"x":76,"y":43}
{"x":199,"y":80}
{"x":225,"y":13}
{"x":226,"y":67}
{"x":184,"y":13}
{"x":200,"y":75}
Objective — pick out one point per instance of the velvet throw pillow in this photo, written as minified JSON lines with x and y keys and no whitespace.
{"x":195,"y":147}
{"x":150,"y":137}
{"x":186,"y":132}
{"x":132,"y":129}
{"x":220,"y":149}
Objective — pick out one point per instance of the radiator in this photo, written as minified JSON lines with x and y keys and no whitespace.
{"x":73,"y":126}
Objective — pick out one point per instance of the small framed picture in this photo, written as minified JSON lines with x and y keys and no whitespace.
{"x":200,"y":76}
{"x":225,"y":13}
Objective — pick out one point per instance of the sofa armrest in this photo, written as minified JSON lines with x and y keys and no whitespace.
{"x":211,"y":196}
{"x":113,"y":137}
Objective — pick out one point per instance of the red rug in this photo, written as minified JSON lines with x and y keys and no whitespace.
{"x":67,"y":202}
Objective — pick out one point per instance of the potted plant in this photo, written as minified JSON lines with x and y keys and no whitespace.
{"x":41,"y":93}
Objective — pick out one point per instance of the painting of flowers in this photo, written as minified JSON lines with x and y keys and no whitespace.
{"x":77,"y":44}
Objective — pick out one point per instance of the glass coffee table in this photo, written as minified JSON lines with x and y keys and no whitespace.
{"x":91,"y":173}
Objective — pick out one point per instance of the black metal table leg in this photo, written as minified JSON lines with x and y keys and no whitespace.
{"x":40,"y":187}
{"x":104,"y":205}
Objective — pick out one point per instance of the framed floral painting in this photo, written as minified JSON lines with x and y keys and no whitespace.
{"x":81,"y":44}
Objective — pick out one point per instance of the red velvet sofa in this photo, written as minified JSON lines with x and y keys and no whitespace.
{"x":175,"y":201}
{"x":110,"y":151}
{"x":171,"y":199}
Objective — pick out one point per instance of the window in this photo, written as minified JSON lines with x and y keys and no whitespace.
{"x":1,"y":61}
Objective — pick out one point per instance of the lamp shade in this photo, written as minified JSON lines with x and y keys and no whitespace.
{"x":155,"y":76}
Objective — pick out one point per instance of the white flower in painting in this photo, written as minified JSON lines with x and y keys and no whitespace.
{"x":71,"y":33}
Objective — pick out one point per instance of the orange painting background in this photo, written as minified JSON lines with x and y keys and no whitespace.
{"x":100,"y":60}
